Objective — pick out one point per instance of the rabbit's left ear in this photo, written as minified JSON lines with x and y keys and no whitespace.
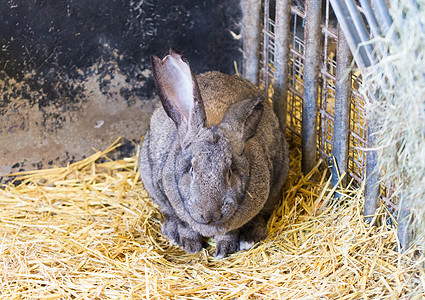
{"x":243,"y":118}
{"x":178,"y":90}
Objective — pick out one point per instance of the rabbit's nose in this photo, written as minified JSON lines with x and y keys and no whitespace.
{"x":206,"y":214}
{"x":210,"y":216}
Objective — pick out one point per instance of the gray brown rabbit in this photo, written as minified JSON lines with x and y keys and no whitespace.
{"x":214,"y":158}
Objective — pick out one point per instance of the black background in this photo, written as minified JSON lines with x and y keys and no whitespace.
{"x":45,"y":42}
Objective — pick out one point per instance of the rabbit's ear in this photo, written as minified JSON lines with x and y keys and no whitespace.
{"x":178,"y":90}
{"x":243,"y":118}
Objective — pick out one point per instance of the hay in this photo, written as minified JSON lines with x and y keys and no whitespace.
{"x":397,"y":111}
{"x":90,"y":231}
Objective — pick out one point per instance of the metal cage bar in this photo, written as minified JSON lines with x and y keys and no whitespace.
{"x":370,"y":17}
{"x":251,"y":38}
{"x":404,"y":231}
{"x":282,"y":41}
{"x":372,"y":176}
{"x":342,"y":110}
{"x":311,"y":80}
{"x":354,"y":30}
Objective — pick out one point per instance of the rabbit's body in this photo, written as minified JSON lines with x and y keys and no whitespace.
{"x":218,"y":170}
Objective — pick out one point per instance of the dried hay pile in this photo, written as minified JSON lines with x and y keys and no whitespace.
{"x":90,"y":231}
{"x":398,"y":110}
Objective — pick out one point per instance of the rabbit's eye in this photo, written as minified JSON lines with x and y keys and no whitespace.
{"x":229,"y":174}
{"x":189,"y":169}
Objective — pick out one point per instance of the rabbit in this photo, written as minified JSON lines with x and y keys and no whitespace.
{"x":214,"y":158}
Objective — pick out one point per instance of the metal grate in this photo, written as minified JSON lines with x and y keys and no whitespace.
{"x":326,"y":114}
{"x":356,"y":155}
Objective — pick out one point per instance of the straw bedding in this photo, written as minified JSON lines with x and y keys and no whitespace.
{"x":90,"y":231}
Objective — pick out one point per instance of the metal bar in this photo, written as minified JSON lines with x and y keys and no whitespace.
{"x":296,"y":53}
{"x":331,"y":33}
{"x":311,"y":79}
{"x":356,"y":177}
{"x":370,"y":17}
{"x":297,"y":12}
{"x":266,"y":44}
{"x":324,"y":96}
{"x":372,"y":176}
{"x":329,"y":75}
{"x":251,"y":38}
{"x":294,"y":32}
{"x":383,"y":15}
{"x":295,"y":92}
{"x":281,"y":58}
{"x":389,"y":203}
{"x":357,"y":136}
{"x":359,"y":24}
{"x":340,"y":141}
{"x":404,"y":231}
{"x":354,"y":30}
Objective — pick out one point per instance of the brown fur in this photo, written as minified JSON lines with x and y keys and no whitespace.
{"x":220,"y":176}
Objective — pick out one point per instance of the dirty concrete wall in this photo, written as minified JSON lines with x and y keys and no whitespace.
{"x":75,"y":74}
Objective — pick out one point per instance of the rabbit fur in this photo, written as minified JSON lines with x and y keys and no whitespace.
{"x":214,"y":158}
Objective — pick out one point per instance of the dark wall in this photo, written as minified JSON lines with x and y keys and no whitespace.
{"x":76,"y":74}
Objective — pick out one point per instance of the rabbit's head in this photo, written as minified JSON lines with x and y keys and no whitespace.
{"x":210,"y":166}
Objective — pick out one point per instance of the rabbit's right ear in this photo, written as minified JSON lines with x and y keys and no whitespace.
{"x":178,"y":90}
{"x":241,"y":120}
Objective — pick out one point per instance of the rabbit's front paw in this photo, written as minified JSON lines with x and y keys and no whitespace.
{"x":226,"y":244}
{"x":253,"y":232}
{"x":180,"y":234}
